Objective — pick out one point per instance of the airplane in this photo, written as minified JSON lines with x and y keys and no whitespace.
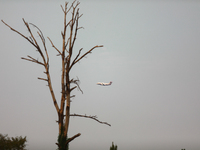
{"x":104,"y":84}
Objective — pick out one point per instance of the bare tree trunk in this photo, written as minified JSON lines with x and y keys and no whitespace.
{"x":67,"y":115}
{"x":67,"y":64}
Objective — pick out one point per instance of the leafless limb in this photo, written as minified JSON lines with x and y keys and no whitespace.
{"x":78,"y":59}
{"x":76,"y":18}
{"x":43,"y":41}
{"x":69,"y":140}
{"x":72,"y":138}
{"x":77,"y":84}
{"x":73,"y":88}
{"x":54,"y":46}
{"x":40,"y":32}
{"x":20,"y":34}
{"x":77,"y":56}
{"x":42,"y":79}
{"x":72,"y":96}
{"x":91,"y":117}
{"x":66,"y":45}
{"x":33,"y":60}
{"x":45,"y":62}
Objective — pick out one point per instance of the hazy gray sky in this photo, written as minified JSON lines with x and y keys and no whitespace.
{"x":151,"y":53}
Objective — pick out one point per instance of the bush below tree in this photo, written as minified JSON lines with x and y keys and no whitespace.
{"x":13,"y":143}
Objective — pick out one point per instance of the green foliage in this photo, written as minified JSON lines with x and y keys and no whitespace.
{"x":13,"y":143}
{"x":113,"y":147}
{"x":62,"y":140}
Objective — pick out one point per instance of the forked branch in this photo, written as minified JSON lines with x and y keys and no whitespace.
{"x":33,"y":60}
{"x":45,"y":57}
{"x":20,"y":34}
{"x":77,"y":84}
{"x":77,"y":58}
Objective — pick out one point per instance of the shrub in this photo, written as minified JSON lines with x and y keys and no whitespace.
{"x":113,"y":147}
{"x":13,"y":143}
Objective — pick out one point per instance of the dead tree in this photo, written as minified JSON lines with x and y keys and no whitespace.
{"x":68,"y":84}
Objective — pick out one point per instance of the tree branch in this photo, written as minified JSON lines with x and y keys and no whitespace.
{"x":45,"y":60}
{"x":54,"y":46}
{"x":33,"y":60}
{"x":77,"y":56}
{"x":76,"y":18}
{"x":69,"y":140}
{"x":72,"y":138}
{"x":43,"y":79}
{"x":44,"y":44}
{"x":45,"y":63}
{"x":77,"y":83}
{"x":20,"y":34}
{"x":78,"y":59}
{"x":91,"y":117}
{"x":73,"y":88}
{"x":33,"y":38}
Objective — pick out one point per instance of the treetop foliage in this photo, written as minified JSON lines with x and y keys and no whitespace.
{"x":13,"y":143}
